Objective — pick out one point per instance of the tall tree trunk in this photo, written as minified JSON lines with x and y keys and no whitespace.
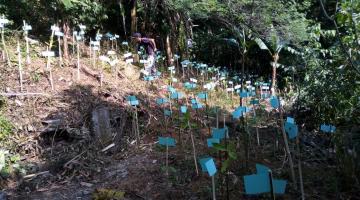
{"x":66,"y":29}
{"x":133,"y":16}
{"x":122,"y":11}
{"x":273,"y":80}
{"x":169,"y":53}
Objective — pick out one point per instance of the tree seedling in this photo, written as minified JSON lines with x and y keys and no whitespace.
{"x":48,"y":54}
{"x":132,"y":101}
{"x":208,"y":165}
{"x":168,"y":142}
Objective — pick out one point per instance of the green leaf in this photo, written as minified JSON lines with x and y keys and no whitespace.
{"x":261,"y":44}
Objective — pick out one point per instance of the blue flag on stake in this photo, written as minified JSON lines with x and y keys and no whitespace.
{"x":260,"y":183}
{"x":211,"y":141}
{"x":291,"y":129}
{"x":171,"y":89}
{"x":197,"y":105}
{"x":132,"y":100}
{"x":148,"y":78}
{"x":279,"y":186}
{"x":167,"y":113}
{"x":208,"y":165}
{"x":183,"y":109}
{"x":244,"y":94}
{"x":290,"y":120}
{"x":167,"y":141}
{"x":257,"y":184}
{"x":176,"y":95}
{"x":202,"y":95}
{"x":274,"y":101}
{"x":218,"y":133}
{"x":254,"y":102}
{"x":327,"y":128}
{"x":161,"y":101}
{"x":261,"y":169}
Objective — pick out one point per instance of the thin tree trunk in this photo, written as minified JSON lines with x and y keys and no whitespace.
{"x":66,"y":29}
{"x":273,"y":79}
{"x":133,"y":17}
{"x":123,"y":17}
{"x":169,"y":53}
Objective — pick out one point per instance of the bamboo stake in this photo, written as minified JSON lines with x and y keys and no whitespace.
{"x":78,"y":60}
{"x":28,"y":61}
{"x":20,"y":66}
{"x":194,"y":150}
{"x":167,"y":159}
{"x":287,"y":145}
{"x":213,"y":187}
{"x":60,"y":54}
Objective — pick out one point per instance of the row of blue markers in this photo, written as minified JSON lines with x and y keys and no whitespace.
{"x":254,"y":184}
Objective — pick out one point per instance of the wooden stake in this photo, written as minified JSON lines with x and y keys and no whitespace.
{"x":20,"y":66}
{"x":78,"y":60}
{"x":60,"y":54}
{"x":213,"y":187}
{"x":272,"y":191}
{"x":194,"y":150}
{"x":167,"y":159}
{"x":287,"y":146}
{"x":28,"y":61}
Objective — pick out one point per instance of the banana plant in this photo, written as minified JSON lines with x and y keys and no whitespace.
{"x":274,"y":49}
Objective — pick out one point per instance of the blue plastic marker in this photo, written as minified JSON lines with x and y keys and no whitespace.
{"x":161,"y":101}
{"x":274,"y":102}
{"x":183,"y":109}
{"x":171,"y":89}
{"x":291,"y":130}
{"x":218,"y":133}
{"x":244,"y":94}
{"x":327,"y":128}
{"x":279,"y":186}
{"x":257,"y":184}
{"x":167,"y":141}
{"x":176,"y":95}
{"x":290,"y":120}
{"x":202,"y":95}
{"x":197,"y":105}
{"x":208,"y":165}
{"x":167,"y":113}
{"x":148,"y":78}
{"x":237,"y":114}
{"x":260,"y":169}
{"x":254,"y":102}
{"x":212,"y":141}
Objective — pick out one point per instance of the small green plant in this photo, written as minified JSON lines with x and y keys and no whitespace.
{"x":230,"y":150}
{"x":5,"y":128}
{"x":9,"y":164}
{"x":35,"y":77}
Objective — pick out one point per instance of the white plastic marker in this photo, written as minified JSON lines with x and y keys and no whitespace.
{"x":49,"y":54}
{"x":111,"y":53}
{"x":26,"y":29}
{"x":128,"y":61}
{"x":4,"y":21}
{"x":59,"y":34}
{"x":237,"y":87}
{"x":193,"y":80}
{"x":127,"y":55}
{"x":20,"y":66}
